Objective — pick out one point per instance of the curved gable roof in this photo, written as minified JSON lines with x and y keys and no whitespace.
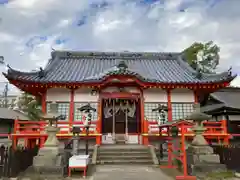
{"x":80,"y":67}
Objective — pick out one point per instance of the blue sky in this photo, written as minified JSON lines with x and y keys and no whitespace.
{"x":29,"y":29}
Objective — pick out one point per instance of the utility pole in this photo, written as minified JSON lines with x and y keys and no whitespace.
{"x":6,"y":89}
{"x":5,"y":95}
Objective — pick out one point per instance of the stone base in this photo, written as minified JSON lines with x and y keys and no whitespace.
{"x":47,"y":160}
{"x":42,"y":173}
{"x":202,"y":170}
{"x":49,"y":163}
{"x":208,"y":168}
{"x":200,"y":149}
{"x":48,"y":156}
{"x":201,"y":160}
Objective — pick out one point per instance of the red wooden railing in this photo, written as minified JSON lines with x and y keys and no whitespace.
{"x":38,"y":127}
{"x":212,"y":128}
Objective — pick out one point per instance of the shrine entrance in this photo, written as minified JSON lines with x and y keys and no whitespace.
{"x":121,"y":120}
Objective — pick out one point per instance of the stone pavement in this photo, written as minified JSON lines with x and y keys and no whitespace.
{"x":128,"y":172}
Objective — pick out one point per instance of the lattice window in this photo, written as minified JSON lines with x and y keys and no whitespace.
{"x":181,"y":110}
{"x":63,"y":108}
{"x":148,"y":107}
{"x":78,"y":115}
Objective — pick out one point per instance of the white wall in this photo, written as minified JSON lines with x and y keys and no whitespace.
{"x":182,"y":95}
{"x":84,"y":95}
{"x":155,"y":95}
{"x":150,"y":95}
{"x":63,"y":94}
{"x":232,"y":117}
{"x":58,"y":94}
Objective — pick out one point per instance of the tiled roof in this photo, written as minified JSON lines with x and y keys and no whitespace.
{"x":6,"y":113}
{"x":80,"y":67}
{"x":227,"y":97}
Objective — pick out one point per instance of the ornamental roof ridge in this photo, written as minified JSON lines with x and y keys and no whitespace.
{"x":109,"y":54}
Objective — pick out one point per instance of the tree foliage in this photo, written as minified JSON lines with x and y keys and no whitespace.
{"x":203,"y":56}
{"x":30,"y":105}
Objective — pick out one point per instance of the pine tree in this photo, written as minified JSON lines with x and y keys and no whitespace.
{"x":203,"y":56}
{"x":29,"y":105}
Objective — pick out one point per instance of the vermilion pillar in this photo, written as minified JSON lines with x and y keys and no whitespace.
{"x":169,"y":105}
{"x":99,"y":122}
{"x":144,"y":124}
{"x":43,"y":102}
{"x":44,"y":110}
{"x":196,"y":97}
{"x":71,"y":107}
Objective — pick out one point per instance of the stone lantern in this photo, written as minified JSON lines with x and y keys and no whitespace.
{"x":52,"y":117}
{"x":161,"y":119}
{"x":49,"y":158}
{"x":161,"y":109}
{"x":198,"y":117}
{"x":87,"y":110}
{"x":200,"y":157}
{"x":75,"y":139}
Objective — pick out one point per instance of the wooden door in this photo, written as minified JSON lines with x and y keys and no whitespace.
{"x":120,"y":123}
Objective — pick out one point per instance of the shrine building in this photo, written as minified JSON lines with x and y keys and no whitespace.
{"x":124,"y":87}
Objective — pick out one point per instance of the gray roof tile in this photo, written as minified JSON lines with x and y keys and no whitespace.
{"x":227,"y":97}
{"x":78,"y":67}
{"x":6,"y":113}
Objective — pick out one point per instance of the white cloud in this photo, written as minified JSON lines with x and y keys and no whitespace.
{"x":5,"y":37}
{"x":30,"y":4}
{"x":169,"y":25}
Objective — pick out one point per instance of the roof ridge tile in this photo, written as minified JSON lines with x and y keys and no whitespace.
{"x":109,"y":55}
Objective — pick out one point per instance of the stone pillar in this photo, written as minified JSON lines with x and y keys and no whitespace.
{"x":75,"y":145}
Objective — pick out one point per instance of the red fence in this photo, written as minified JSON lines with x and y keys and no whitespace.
{"x":38,"y":127}
{"x":219,"y":127}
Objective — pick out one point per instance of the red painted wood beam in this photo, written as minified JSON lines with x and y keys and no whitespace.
{"x":144,"y":124}
{"x":169,"y":105}
{"x":24,"y":85}
{"x":99,"y":121}
{"x":43,"y":102}
{"x":71,"y":107}
{"x":196,"y":97}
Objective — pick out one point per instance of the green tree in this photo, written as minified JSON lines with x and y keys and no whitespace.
{"x":203,"y":56}
{"x":30,"y":105}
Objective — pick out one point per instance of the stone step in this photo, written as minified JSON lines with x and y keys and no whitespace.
{"x":121,"y":150}
{"x":121,"y":153}
{"x":125,"y":161}
{"x":129,"y":156}
{"x":124,"y":146}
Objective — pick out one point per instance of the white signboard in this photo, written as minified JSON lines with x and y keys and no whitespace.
{"x":79,"y":161}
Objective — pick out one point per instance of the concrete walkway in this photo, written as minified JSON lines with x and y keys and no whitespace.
{"x":128,"y":172}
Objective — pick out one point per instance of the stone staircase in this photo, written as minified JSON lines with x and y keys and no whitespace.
{"x":124,"y":154}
